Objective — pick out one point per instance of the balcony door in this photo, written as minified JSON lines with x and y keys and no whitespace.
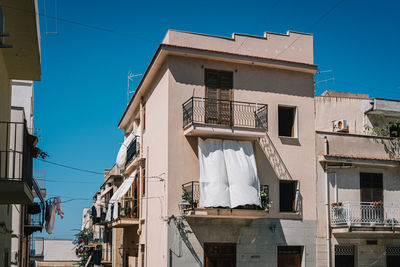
{"x":371,"y":190}
{"x":289,"y":256}
{"x":219,"y":255}
{"x":218,"y":107}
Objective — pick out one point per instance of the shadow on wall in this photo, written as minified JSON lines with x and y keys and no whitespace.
{"x":258,"y":237}
{"x":251,"y":78}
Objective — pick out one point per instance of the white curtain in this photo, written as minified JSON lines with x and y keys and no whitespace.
{"x":118,"y":195}
{"x":213,"y":179}
{"x":121,"y":157}
{"x":244,"y":187}
{"x":228,"y":174}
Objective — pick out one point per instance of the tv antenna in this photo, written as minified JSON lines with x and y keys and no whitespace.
{"x":128,"y":91}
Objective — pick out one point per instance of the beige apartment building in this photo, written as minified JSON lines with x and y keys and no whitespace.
{"x":358,"y":185}
{"x":19,"y":60}
{"x":218,"y":166}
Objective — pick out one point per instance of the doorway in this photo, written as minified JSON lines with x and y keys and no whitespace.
{"x":371,"y":195}
{"x":219,"y":255}
{"x":290,"y":256}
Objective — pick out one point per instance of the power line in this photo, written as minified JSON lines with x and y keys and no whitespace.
{"x":70,"y":182}
{"x":314,"y":24}
{"x":93,"y":27}
{"x":70,"y":167}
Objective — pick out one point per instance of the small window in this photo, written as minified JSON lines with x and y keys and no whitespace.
{"x":287,"y":121}
{"x":288,"y":196}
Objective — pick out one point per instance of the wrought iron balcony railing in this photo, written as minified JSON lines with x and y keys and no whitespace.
{"x":365,"y":214}
{"x":225,"y":113}
{"x":191,"y":194}
{"x":133,"y":149}
{"x":17,"y":148}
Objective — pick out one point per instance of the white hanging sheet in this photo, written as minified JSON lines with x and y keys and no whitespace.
{"x":244,"y":186}
{"x":214,"y":188}
{"x":121,"y":157}
{"x":227,"y":174}
{"x":118,"y":195}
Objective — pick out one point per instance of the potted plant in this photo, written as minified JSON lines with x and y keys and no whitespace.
{"x":265,"y":201}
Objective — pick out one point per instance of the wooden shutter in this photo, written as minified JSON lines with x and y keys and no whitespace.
{"x":219,"y":94}
{"x":371,"y":187}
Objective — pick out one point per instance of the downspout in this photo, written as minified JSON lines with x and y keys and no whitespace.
{"x":328,"y":234}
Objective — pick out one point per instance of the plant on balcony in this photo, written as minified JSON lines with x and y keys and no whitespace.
{"x":377,"y":204}
{"x":388,"y":129}
{"x":81,"y":241}
{"x":265,"y":201}
{"x":337,"y":204}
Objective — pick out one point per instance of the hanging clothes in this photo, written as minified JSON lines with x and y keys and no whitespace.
{"x":60,"y":212}
{"x":98,"y":206}
{"x":52,"y":219}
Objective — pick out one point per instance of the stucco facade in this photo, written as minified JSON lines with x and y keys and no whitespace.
{"x":263,"y":74}
{"x":343,"y":159}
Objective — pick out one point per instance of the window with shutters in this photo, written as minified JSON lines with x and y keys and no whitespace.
{"x":287,"y":121}
{"x":371,"y":187}
{"x":218,"y":105}
{"x":288,"y":196}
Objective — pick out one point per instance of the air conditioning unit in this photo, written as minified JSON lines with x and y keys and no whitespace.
{"x":340,"y":126}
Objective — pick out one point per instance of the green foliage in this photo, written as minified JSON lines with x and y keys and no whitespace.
{"x":265,"y":201}
{"x":389,"y":129}
{"x":82,"y":239}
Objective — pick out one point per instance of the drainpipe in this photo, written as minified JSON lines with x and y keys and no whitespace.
{"x":328,"y":233}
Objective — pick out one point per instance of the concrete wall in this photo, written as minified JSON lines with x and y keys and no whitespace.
{"x":59,"y":250}
{"x":22,"y":96}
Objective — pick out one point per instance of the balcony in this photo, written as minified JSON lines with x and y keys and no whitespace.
{"x":190,"y":205}
{"x":358,"y":150}
{"x":205,"y":116}
{"x":128,"y":213}
{"x":365,"y":216}
{"x":17,"y":149}
{"x":133,"y":150}
{"x":35,"y":219}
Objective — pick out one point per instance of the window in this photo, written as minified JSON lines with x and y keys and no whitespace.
{"x":218,"y":96}
{"x":288,"y":196}
{"x":344,"y":256}
{"x":219,"y":254}
{"x":287,"y":121}
{"x":371,"y":187}
{"x":290,"y":256}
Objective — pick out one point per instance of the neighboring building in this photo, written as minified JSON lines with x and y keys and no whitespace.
{"x":19,"y":60}
{"x":359,"y":216}
{"x":53,"y":252}
{"x":26,"y":219}
{"x":215,"y":123}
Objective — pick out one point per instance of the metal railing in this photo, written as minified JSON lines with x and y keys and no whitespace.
{"x":16,"y":154}
{"x":36,"y":219}
{"x":133,"y":149}
{"x":368,"y":214}
{"x":37,"y":247}
{"x":226,"y":113}
{"x":191,"y":193}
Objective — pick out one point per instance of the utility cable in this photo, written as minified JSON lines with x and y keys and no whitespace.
{"x":93,"y":27}
{"x":70,"y":167}
{"x":313,"y":25}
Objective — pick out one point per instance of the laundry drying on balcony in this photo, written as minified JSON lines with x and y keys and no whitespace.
{"x":228,"y":174}
{"x":116,"y":198}
{"x":129,"y":148}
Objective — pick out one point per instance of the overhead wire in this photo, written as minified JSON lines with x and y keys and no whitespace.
{"x":70,"y":167}
{"x":93,"y":27}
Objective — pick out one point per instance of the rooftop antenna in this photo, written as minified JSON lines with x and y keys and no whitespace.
{"x":128,"y":91}
{"x":45,"y":19}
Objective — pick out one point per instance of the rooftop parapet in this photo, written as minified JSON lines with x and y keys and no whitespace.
{"x":292,"y":46}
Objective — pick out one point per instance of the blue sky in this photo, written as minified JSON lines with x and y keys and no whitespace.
{"x":82,"y":94}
